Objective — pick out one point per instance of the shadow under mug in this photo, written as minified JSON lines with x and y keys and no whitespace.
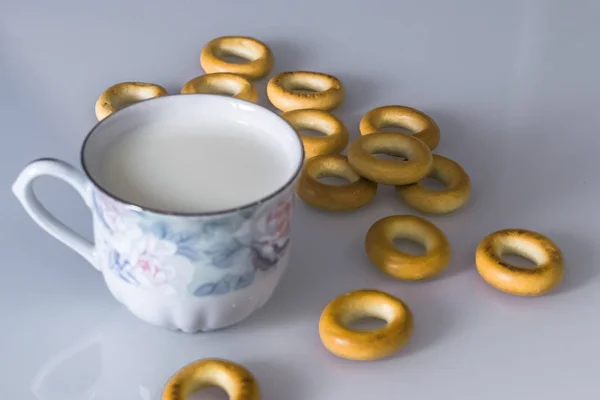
{"x":183,"y":271}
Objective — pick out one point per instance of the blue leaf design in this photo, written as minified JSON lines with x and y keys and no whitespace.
{"x":160,"y":229}
{"x":186,"y":245}
{"x":223,"y":286}
{"x":244,"y":280}
{"x":210,"y":228}
{"x":225,"y":225}
{"x":223,"y":253}
{"x":227,"y":284}
{"x":187,"y":252}
{"x":205,"y":290}
{"x":119,"y":264}
{"x":248,"y":212}
{"x":100,"y":214}
{"x":186,"y":240}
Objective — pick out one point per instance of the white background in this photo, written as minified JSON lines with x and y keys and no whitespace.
{"x":514,"y":88}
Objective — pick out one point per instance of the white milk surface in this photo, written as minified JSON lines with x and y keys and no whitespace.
{"x":180,"y":168}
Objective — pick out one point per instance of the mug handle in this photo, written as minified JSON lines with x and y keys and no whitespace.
{"x":23,"y":190}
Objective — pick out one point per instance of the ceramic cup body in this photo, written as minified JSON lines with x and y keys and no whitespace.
{"x":190,"y":272}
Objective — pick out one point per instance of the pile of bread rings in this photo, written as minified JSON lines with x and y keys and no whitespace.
{"x":306,"y":100}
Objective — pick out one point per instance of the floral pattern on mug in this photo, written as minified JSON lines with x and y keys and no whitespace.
{"x":201,"y":256}
{"x":263,"y":246}
{"x":276,"y":236}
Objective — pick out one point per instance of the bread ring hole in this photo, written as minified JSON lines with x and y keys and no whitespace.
{"x":236,"y":54}
{"x":395,"y":128}
{"x":312,"y":126}
{"x":127,"y":97}
{"x":233,"y":58}
{"x":391,"y":153}
{"x":518,"y":260}
{"x":218,"y":86}
{"x":231,"y":88}
{"x":209,"y":393}
{"x":409,"y":246}
{"x":520,"y":253}
{"x":120,"y":102}
{"x":387,"y":150}
{"x":401,"y":123}
{"x":310,"y":132}
{"x":367,"y":323}
{"x":303,"y":90}
{"x":391,"y":157}
{"x":434,"y":182}
{"x":333,"y":179}
{"x":208,"y":384}
{"x":305,"y":84}
{"x":366,"y":315}
{"x":333,"y":171}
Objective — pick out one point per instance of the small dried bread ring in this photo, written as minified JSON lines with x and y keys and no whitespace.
{"x":346,"y":197}
{"x":390,"y":172}
{"x":236,"y":380}
{"x":420,"y":124}
{"x":454,"y":196}
{"x":123,"y":94}
{"x":258,"y":54}
{"x":336,"y":134}
{"x":365,"y":345}
{"x":222,"y":83}
{"x":379,"y":244}
{"x":518,"y":280}
{"x":302,"y":89}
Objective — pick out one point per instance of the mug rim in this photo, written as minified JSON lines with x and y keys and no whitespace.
{"x":137,"y":207}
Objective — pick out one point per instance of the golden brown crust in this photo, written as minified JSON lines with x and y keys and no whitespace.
{"x":380,"y":248}
{"x":123,"y":94}
{"x":357,"y":193}
{"x":222,"y":83}
{"x":518,"y":280}
{"x":298,"y":90}
{"x":420,"y":124}
{"x":236,"y":380}
{"x":335,"y":137}
{"x":454,"y":196}
{"x":259,"y":56}
{"x":371,"y":344}
{"x":391,"y":172}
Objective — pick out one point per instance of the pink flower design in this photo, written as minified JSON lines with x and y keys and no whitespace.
{"x":268,"y":249}
{"x":278,"y":220}
{"x":145,"y":257}
{"x":149,"y":257}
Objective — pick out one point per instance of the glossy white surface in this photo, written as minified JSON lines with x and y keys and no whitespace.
{"x":514,"y":87}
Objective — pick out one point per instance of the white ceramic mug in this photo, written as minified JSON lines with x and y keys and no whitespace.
{"x":181,"y":271}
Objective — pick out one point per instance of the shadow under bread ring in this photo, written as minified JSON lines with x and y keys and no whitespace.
{"x":454,"y":196}
{"x":374,"y":344}
{"x":123,"y":94}
{"x":222,"y":83}
{"x":335,"y":137}
{"x":420,"y":124}
{"x":391,"y":172}
{"x":355,"y":194}
{"x":303,"y":89}
{"x":547,"y":274}
{"x":380,"y":248}
{"x":258,"y":55}
{"x":235,"y":380}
